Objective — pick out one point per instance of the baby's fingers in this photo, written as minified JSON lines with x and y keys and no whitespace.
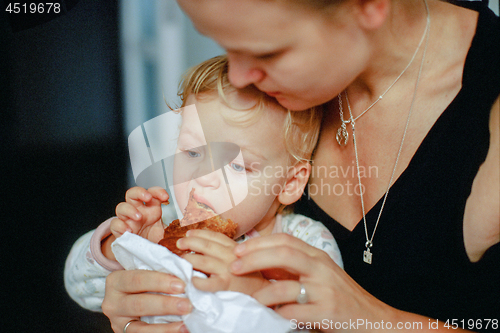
{"x":159,"y":193}
{"x":125,"y":211}
{"x":118,"y":227}
{"x":138,"y":196}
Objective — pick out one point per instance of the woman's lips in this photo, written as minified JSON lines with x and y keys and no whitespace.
{"x":204,"y":201}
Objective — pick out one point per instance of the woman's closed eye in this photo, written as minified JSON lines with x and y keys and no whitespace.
{"x":269,"y":55}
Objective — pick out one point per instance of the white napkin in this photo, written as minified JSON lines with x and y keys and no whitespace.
{"x":221,"y":312}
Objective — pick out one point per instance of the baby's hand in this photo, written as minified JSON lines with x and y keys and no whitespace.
{"x":140,"y":213}
{"x":214,"y":254}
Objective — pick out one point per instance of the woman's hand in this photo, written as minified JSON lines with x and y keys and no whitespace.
{"x":126,"y":299}
{"x":214,"y":254}
{"x":332,"y":294}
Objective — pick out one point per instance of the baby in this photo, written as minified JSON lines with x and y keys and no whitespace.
{"x":265,"y":175}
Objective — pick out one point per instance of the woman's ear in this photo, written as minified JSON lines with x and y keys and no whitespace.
{"x":297,"y":178}
{"x":372,"y":13}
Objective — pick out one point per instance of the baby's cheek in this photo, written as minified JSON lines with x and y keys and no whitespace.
{"x":242,"y":214}
{"x":257,"y":187}
{"x":180,"y":191}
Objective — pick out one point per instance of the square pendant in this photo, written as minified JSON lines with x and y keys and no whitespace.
{"x":367,"y":256}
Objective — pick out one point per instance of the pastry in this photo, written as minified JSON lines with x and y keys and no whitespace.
{"x":196,"y":211}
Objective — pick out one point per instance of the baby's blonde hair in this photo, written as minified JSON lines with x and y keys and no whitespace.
{"x":301,"y":128}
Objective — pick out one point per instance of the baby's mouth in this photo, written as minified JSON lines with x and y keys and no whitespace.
{"x":204,"y":203}
{"x":206,"y":207}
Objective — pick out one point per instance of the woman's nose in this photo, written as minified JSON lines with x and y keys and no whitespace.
{"x":243,"y":71}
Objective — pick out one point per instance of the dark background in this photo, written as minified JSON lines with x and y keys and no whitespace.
{"x":63,"y":156}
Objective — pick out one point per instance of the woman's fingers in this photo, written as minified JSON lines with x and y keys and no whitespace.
{"x":286,"y":295}
{"x":278,"y":251}
{"x":139,"y":281}
{"x":212,"y":284}
{"x":205,"y":264}
{"x":147,"y":304}
{"x":138,"y":326}
{"x":309,"y":307}
{"x":127,"y":297}
{"x":285,"y":257}
{"x":272,"y":241}
{"x":278,"y":274}
{"x":283,"y":292}
{"x":211,"y":236}
{"x":207,"y":246}
{"x":303,"y":313}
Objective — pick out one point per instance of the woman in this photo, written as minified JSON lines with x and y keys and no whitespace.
{"x":408,"y":88}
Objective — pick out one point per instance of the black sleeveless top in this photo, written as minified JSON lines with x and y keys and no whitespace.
{"x":419,"y":260}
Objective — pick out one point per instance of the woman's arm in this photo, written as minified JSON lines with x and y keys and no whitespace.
{"x":333,"y":297}
{"x":482,"y":211}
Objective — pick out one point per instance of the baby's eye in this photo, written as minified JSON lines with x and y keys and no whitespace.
{"x":192,"y":154}
{"x":237,"y":167}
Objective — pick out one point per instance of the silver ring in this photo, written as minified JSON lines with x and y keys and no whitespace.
{"x":127,"y":324}
{"x":302,"y":296}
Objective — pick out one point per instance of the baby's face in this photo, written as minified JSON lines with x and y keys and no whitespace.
{"x":255,"y":175}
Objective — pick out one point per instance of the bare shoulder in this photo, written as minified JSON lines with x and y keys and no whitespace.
{"x":460,"y":20}
{"x":463,"y":13}
{"x":454,"y":28}
{"x":494,"y":119}
{"x":482,"y":211}
{"x":452,"y":31}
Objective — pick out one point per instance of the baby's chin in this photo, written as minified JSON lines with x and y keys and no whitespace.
{"x":245,"y":222}
{"x":224,"y":208}
{"x":241,"y":229}
{"x":225,"y":215}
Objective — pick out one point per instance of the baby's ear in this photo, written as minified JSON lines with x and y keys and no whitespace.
{"x":297,"y":177}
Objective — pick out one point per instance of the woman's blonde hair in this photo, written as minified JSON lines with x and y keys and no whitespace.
{"x":301,"y":128}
